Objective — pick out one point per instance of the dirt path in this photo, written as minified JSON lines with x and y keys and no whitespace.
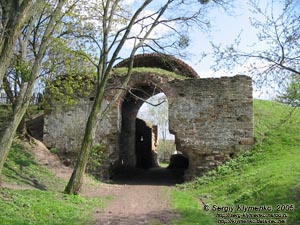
{"x":128,"y":204}
{"x":133,"y":204}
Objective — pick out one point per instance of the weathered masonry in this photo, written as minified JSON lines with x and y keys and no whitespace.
{"x":212,"y":119}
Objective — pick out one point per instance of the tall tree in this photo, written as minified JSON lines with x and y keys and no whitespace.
{"x":47,"y":22}
{"x":137,"y":28}
{"x":13,"y":15}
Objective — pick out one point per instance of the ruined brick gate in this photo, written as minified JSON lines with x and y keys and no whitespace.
{"x":212,"y":119}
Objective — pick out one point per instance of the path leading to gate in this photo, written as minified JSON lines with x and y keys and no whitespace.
{"x":134,"y":204}
{"x":136,"y":197}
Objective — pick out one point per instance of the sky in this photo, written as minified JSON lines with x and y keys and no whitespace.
{"x":225,"y":28}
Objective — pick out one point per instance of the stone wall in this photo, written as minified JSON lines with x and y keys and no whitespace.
{"x":64,"y":129}
{"x":212,"y":120}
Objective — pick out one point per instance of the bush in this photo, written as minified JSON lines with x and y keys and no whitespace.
{"x":96,"y":158}
{"x":165,"y":149}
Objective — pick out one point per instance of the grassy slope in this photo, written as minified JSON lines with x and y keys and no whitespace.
{"x":43,"y":202}
{"x":267,"y":175}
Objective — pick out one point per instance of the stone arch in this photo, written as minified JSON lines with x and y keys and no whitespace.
{"x":162,"y":61}
{"x":146,"y":84}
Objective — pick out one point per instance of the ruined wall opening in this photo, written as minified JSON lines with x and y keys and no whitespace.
{"x":156,"y":112}
{"x":140,"y":137}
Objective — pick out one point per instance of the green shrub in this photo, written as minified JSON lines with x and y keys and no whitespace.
{"x":165,"y":149}
{"x":96,"y":158}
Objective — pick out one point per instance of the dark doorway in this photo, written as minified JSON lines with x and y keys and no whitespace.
{"x":145,"y":139}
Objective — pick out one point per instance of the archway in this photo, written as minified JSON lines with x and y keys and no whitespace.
{"x":156,"y":112}
{"x":134,"y":150}
{"x":138,"y":140}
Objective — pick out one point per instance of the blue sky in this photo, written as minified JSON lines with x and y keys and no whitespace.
{"x":224,"y":29}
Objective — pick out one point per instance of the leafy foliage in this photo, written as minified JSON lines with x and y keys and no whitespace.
{"x":68,"y":89}
{"x":291,"y":94}
{"x":96,"y":157}
{"x":5,"y":114}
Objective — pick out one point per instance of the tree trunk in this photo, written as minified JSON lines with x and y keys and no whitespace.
{"x":10,"y":131}
{"x":11,"y":33}
{"x":24,"y":97}
{"x":76,"y":179}
{"x":22,"y":128}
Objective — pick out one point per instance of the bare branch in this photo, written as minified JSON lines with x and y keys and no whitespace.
{"x":144,"y":100}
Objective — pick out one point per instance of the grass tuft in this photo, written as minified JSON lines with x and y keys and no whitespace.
{"x":21,"y":169}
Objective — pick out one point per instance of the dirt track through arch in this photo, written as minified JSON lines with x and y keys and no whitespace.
{"x":140,"y":197}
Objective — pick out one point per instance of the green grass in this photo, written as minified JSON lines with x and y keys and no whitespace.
{"x":163,"y":164}
{"x":158,"y":71}
{"x":21,"y":169}
{"x":267,"y":175}
{"x":43,"y":202}
{"x":43,"y":207}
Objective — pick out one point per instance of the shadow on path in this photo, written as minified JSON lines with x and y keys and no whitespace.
{"x":153,"y":176}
